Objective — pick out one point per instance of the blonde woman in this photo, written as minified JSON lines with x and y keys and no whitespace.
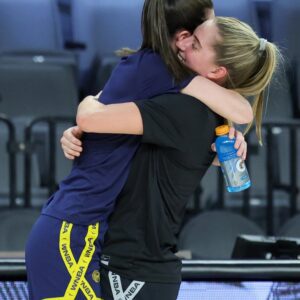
{"x":177,"y":130}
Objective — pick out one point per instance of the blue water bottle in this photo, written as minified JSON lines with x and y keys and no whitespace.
{"x":233,"y":167}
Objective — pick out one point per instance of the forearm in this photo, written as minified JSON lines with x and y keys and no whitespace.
{"x":93,"y":116}
{"x":226,"y":103}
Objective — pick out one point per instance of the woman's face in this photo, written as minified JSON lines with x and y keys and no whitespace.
{"x":197,"y":51}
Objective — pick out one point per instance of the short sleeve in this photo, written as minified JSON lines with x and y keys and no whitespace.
{"x":155,"y":78}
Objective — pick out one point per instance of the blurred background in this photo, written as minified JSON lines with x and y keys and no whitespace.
{"x":55,"y":52}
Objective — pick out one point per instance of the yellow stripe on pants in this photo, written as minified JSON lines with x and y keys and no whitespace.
{"x":78,"y":270}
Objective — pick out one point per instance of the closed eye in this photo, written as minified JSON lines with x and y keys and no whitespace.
{"x":196,"y":43}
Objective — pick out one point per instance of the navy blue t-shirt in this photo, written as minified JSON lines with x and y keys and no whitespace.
{"x":88,"y":194}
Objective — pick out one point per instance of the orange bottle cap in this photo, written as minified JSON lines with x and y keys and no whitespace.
{"x":222,"y":130}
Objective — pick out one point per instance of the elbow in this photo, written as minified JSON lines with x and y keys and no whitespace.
{"x":83,"y":122}
{"x":249,"y":116}
{"x":89,"y":115}
{"x":245,"y":117}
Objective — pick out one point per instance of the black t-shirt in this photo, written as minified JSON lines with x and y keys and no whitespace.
{"x":174,"y":155}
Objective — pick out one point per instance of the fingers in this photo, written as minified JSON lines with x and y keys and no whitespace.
{"x":242,"y":150}
{"x":74,"y":134}
{"x":213,"y":147}
{"x":70,"y":144}
{"x":71,"y":157}
{"x":240,"y":143}
{"x":72,"y":137}
{"x":70,"y":149}
{"x":232,"y":132}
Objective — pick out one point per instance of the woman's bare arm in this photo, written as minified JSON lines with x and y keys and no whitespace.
{"x":124,"y":118}
{"x":226,"y":103}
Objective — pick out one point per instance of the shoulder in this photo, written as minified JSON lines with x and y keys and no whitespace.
{"x":149,"y":56}
{"x":146,"y":58}
{"x":153,"y":76}
{"x":153,"y":65}
{"x":182,"y":110}
{"x":177,"y":102}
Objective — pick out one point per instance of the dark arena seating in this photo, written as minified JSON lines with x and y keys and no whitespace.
{"x":55,"y":52}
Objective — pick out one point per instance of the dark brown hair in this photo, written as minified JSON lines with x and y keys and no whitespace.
{"x":161,"y":19}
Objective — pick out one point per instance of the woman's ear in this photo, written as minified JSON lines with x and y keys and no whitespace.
{"x":217,"y":74}
{"x":181,"y":34}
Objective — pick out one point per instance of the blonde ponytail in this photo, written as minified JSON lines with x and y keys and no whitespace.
{"x":250,"y":61}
